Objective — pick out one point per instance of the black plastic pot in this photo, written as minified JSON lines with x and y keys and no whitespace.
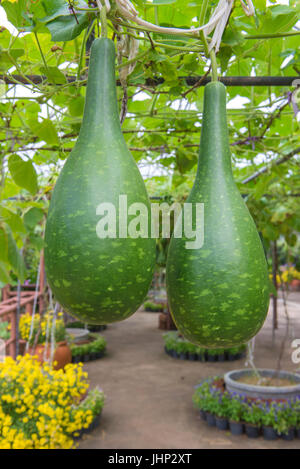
{"x":86,"y":358}
{"x":100,"y":354}
{"x":289,"y":436}
{"x":269,"y":433}
{"x":183,"y":356}
{"x":298,"y":433}
{"x":76,"y":359}
{"x":231,"y":357}
{"x":93,"y":356}
{"x":211,"y":358}
{"x":192,"y":356}
{"x":202,"y":357}
{"x":221,"y":423}
{"x":236,"y":428}
{"x":210,"y":419}
{"x":252,"y":431}
{"x":203,"y":414}
{"x":96,"y":420}
{"x":221,"y":357}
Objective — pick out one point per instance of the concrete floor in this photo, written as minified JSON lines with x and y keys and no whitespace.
{"x":149,"y":394}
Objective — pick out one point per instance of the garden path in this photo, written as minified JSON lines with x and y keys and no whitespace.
{"x":149,"y":394}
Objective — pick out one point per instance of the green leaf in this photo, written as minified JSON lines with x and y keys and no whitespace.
{"x":76,"y":106}
{"x":14,"y":12}
{"x":4,"y":274}
{"x":3,"y":244}
{"x":281,"y":10}
{"x":45,"y":130}
{"x":23,"y":173}
{"x":14,"y":221}
{"x":224,"y":55}
{"x":36,"y":241}
{"x":54,"y":75}
{"x":66,"y":28}
{"x":8,"y":58}
{"x":54,"y":9}
{"x":32,"y":217}
{"x":14,"y":257}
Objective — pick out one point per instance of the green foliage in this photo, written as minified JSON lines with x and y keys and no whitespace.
{"x":97,"y":345}
{"x":4,"y":332}
{"x":150,"y":306}
{"x":94,"y":401}
{"x":282,"y":416}
{"x":175,"y":341}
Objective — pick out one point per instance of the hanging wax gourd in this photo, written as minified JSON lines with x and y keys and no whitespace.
{"x":218,"y":294}
{"x":99,"y":280}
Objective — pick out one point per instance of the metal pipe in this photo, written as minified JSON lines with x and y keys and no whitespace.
{"x":190,"y":81}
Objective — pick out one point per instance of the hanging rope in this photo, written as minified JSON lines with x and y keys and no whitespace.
{"x":34,"y":307}
{"x":48,"y":325}
{"x":217,"y":21}
{"x":52,"y":345}
{"x":250,"y":358}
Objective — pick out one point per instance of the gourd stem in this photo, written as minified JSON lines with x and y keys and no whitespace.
{"x":214,"y":66}
{"x":103,"y":20}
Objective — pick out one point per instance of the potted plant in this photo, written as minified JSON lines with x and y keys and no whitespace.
{"x":252,"y":417}
{"x":153,"y":307}
{"x":201,"y":353}
{"x":286,"y":421}
{"x":212,"y":355}
{"x":221,"y":355}
{"x":222,"y":411}
{"x":234,"y":353}
{"x":93,"y":402}
{"x":235,"y":414}
{"x":191,"y":351}
{"x":91,"y":350}
{"x":98,"y":346}
{"x":202,"y":400}
{"x":268,"y":420}
{"x":76,"y":354}
{"x":41,"y":338}
{"x":182,"y":349}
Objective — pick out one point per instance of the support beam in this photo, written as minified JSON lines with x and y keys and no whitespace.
{"x":152,"y":82}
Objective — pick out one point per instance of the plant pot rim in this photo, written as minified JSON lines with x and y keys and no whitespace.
{"x":252,"y":390}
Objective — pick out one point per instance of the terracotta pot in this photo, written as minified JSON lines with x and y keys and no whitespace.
{"x":62,"y":354}
{"x":295,"y":285}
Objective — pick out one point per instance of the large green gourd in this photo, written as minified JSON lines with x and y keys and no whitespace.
{"x":97,"y":280}
{"x":218,"y":294}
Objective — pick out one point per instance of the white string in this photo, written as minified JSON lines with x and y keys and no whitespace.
{"x":52,"y":346}
{"x":47,"y":333}
{"x":217,"y":21}
{"x":107,"y":5}
{"x":34,"y":307}
{"x":221,"y":14}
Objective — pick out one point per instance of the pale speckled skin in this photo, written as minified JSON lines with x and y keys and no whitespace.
{"x":219,"y":294}
{"x":97,"y":280}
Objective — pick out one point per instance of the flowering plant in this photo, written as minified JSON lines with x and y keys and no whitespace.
{"x":290,"y":274}
{"x":236,"y":407}
{"x":42,"y":326}
{"x":40,"y":407}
